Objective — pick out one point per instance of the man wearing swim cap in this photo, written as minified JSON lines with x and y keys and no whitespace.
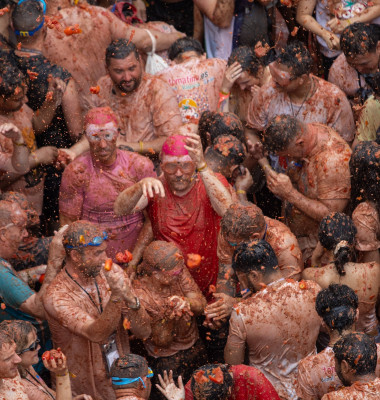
{"x":184,"y":205}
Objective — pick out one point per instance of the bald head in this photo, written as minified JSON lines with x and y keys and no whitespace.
{"x":10,"y":213}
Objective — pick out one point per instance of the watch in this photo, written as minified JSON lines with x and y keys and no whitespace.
{"x":137,"y":306}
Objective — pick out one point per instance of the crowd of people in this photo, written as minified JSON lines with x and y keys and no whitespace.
{"x":189,"y":200}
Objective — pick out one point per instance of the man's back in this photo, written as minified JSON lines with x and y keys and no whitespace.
{"x":197,"y":83}
{"x":280,"y":326}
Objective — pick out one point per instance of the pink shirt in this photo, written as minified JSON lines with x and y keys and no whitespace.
{"x":197,"y":83}
{"x":280,"y":326}
{"x":328,"y":105}
{"x":89,"y":190}
{"x":147,"y":113}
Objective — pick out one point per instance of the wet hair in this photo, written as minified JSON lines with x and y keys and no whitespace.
{"x":337,"y":306}
{"x":18,"y":330}
{"x":79,"y":231}
{"x":7,"y":3}
{"x":7,"y":208}
{"x":246,"y":57}
{"x":129,"y":366}
{"x":183,"y":45}
{"x":11,"y":77}
{"x":242,"y":221}
{"x":231,"y":148}
{"x":359,"y":351}
{"x":337,"y":233}
{"x":27,"y":15}
{"x":365,"y":174}
{"x":207,"y":389}
{"x":257,"y":255}
{"x":120,"y":49}
{"x":280,"y":132}
{"x":218,"y":123}
{"x":4,"y":337}
{"x":297,"y":58}
{"x":161,"y":255}
{"x":359,"y":38}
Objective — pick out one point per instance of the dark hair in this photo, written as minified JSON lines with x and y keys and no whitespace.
{"x":6,"y":3}
{"x":129,"y":366}
{"x":337,"y":232}
{"x":337,"y":305}
{"x":365,"y":174}
{"x":296,"y":57}
{"x":242,"y":221}
{"x":27,"y":15}
{"x":80,"y":231}
{"x":359,"y":351}
{"x":184,"y":44}
{"x":5,"y":338}
{"x":218,"y":123}
{"x":280,"y":132}
{"x":207,"y":389}
{"x":10,"y":77}
{"x":231,"y":148}
{"x":359,"y":38}
{"x":120,"y":49}
{"x":246,"y":57}
{"x":257,"y":255}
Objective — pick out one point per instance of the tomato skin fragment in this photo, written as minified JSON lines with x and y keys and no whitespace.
{"x":108,"y":264}
{"x":193,"y":260}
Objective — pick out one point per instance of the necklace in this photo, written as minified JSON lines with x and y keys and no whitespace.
{"x":100,"y":308}
{"x":303,"y":102}
{"x":39,"y":386}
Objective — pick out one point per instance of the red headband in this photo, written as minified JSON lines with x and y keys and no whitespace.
{"x":175,"y":146}
{"x":100,"y":116}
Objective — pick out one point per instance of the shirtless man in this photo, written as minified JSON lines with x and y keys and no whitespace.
{"x":83,"y":54}
{"x":278,"y":324}
{"x":242,"y":223}
{"x":84,"y":305}
{"x":320,"y":181}
{"x":146,"y":106}
{"x":337,"y":305}
{"x":195,"y":79}
{"x":355,"y":364}
{"x":294,"y":91}
{"x":10,"y":386}
{"x":173,"y":301}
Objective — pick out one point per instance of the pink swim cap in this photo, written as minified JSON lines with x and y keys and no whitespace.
{"x":175,"y":146}
{"x":100,"y":116}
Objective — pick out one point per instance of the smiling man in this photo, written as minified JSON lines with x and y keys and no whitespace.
{"x":92,"y":182}
{"x":10,"y":388}
{"x":146,"y":107}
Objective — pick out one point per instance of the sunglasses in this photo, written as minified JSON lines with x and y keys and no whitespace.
{"x":32,"y":347}
{"x":96,"y":241}
{"x":186,"y":167}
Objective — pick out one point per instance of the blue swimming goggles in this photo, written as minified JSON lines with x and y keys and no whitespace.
{"x":96,"y":241}
{"x":31,"y":33}
{"x":127,"y":381}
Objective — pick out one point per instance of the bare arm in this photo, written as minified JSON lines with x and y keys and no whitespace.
{"x":72,"y":110}
{"x":197,"y":302}
{"x":144,"y":238}
{"x":135,"y":198}
{"x":198,"y":24}
{"x":149,"y":147}
{"x":235,"y":347}
{"x":305,"y":18}
{"x":140,"y":322}
{"x":218,"y":194}
{"x":280,"y":185}
{"x":219,"y":12}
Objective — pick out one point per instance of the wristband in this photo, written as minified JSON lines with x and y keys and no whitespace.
{"x":137,"y":306}
{"x":222,"y":97}
{"x":141,"y":146}
{"x":241,"y":191}
{"x":202,"y":168}
{"x":225,"y":93}
{"x":66,"y":373}
{"x":349,"y":21}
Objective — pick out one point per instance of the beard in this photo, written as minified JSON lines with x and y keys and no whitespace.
{"x":128,"y":87}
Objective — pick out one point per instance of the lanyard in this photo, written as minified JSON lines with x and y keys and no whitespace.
{"x":39,"y":384}
{"x":88,"y":294}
